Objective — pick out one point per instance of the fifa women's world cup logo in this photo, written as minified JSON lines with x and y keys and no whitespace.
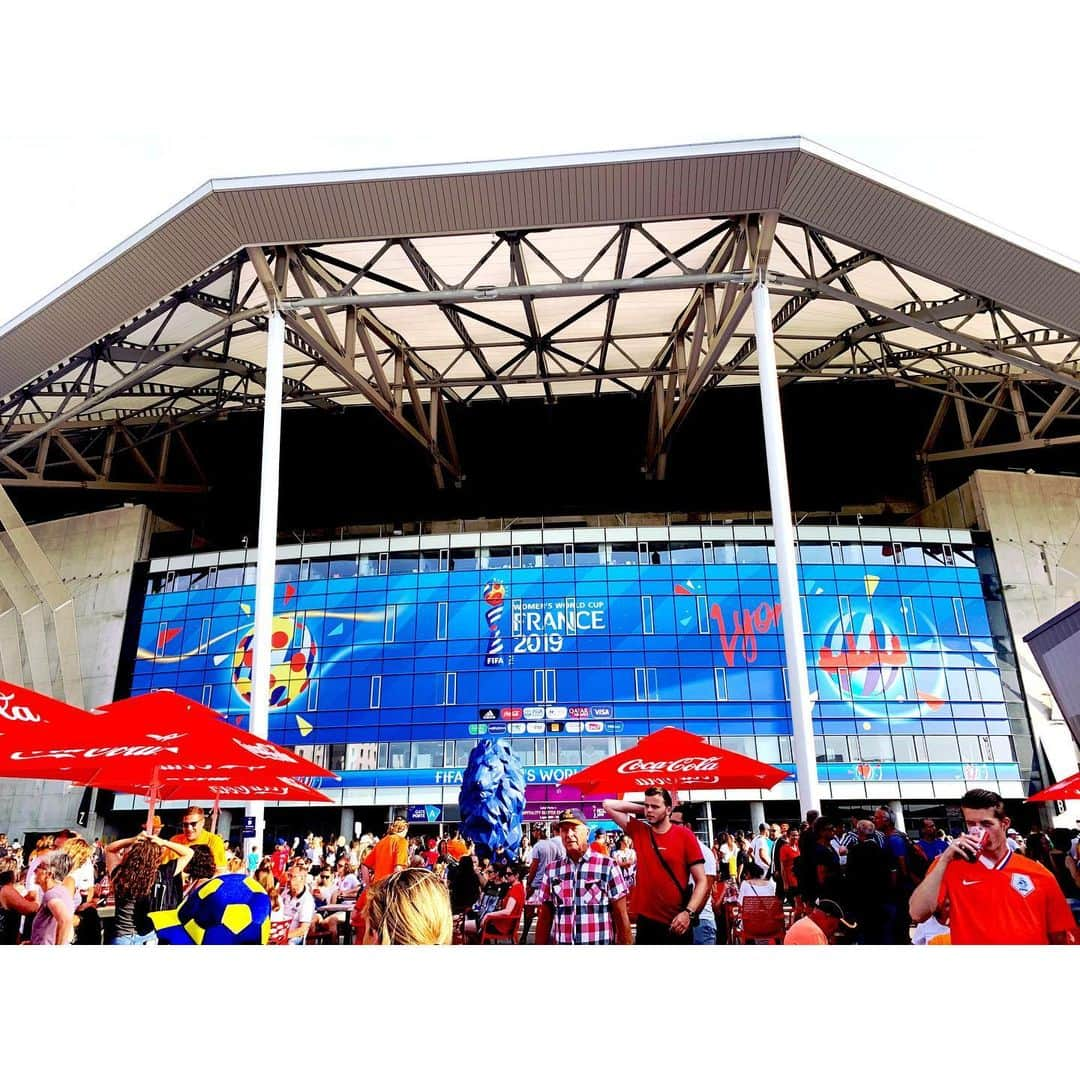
{"x":494,"y":597}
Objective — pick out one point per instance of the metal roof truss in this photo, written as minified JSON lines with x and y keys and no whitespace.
{"x":416,"y":327}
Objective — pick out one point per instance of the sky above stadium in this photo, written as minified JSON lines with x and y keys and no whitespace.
{"x":113,"y":118}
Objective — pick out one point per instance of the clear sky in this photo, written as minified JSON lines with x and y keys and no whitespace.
{"x":109,"y":120}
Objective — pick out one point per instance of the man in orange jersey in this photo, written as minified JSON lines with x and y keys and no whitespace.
{"x":391,"y":852}
{"x":456,"y":847}
{"x":999,"y":897}
{"x":819,"y":925}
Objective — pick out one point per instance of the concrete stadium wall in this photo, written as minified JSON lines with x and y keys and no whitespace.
{"x":94,"y":556}
{"x":1034,"y":524}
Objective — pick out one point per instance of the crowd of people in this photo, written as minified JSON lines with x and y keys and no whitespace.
{"x":650,"y":880}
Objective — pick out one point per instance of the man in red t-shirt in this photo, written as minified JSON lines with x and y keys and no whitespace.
{"x":505,"y":918}
{"x":279,"y":861}
{"x":430,"y":853}
{"x":667,"y":856}
{"x":999,"y":898}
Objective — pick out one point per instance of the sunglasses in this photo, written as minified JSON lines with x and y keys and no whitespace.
{"x":191,"y":824}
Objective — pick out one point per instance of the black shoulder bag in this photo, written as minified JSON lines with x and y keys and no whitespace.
{"x":685,"y":890}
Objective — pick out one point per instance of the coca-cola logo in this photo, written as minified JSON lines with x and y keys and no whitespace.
{"x":250,"y":789}
{"x":92,"y":752}
{"x":19,"y":713}
{"x":690,"y":764}
{"x":264,"y":750}
{"x":208,"y":768}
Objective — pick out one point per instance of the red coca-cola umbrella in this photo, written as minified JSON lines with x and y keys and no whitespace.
{"x":674,"y":759}
{"x":27,"y":718}
{"x":125,"y":741}
{"x":142,"y":741}
{"x":193,"y":788}
{"x":1064,"y":790}
{"x":249,"y":789}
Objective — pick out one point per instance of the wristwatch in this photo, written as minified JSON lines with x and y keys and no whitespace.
{"x":689,"y":912}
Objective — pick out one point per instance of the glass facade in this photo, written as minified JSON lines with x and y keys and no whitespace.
{"x":388,"y":664}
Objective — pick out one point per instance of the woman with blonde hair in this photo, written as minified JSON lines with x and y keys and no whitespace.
{"x":42,"y":848}
{"x":80,"y":883}
{"x":411,"y":907}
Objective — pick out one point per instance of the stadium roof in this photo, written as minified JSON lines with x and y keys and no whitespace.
{"x":415,"y":290}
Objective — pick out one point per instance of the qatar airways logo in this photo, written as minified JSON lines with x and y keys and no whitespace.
{"x":690,"y":764}
{"x":18,"y":713}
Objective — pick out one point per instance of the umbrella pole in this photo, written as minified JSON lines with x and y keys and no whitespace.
{"x":214,"y":814}
{"x":152,"y":801}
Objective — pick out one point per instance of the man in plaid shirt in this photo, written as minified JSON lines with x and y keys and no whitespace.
{"x":582,"y":895}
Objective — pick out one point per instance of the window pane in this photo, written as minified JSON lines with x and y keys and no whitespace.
{"x":942,"y":748}
{"x":815,"y":552}
{"x":498,"y":558}
{"x":741,"y":744}
{"x":404,"y":562}
{"x":875,"y":747}
{"x":427,"y":755}
{"x":685,"y":551}
{"x":524,"y":750}
{"x":593,"y":750}
{"x":904,"y":748}
{"x":464,"y":559}
{"x":569,"y":751}
{"x":836,"y":748}
{"x":587,"y":555}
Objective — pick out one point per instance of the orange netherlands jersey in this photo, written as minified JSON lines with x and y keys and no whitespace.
{"x":1016,"y":902}
{"x":387,"y":855}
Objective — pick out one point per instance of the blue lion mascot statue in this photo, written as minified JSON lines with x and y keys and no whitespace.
{"x":492,"y":799}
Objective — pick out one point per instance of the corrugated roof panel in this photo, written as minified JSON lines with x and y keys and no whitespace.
{"x":912,"y":233}
{"x":810,"y":187}
{"x":168,"y":258}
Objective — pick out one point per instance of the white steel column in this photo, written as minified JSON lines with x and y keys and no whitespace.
{"x":267,"y":553}
{"x":802,"y":725}
{"x":347,"y":824}
{"x":897,"y":807}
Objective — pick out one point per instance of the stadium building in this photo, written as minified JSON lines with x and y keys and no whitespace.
{"x":529,"y":474}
